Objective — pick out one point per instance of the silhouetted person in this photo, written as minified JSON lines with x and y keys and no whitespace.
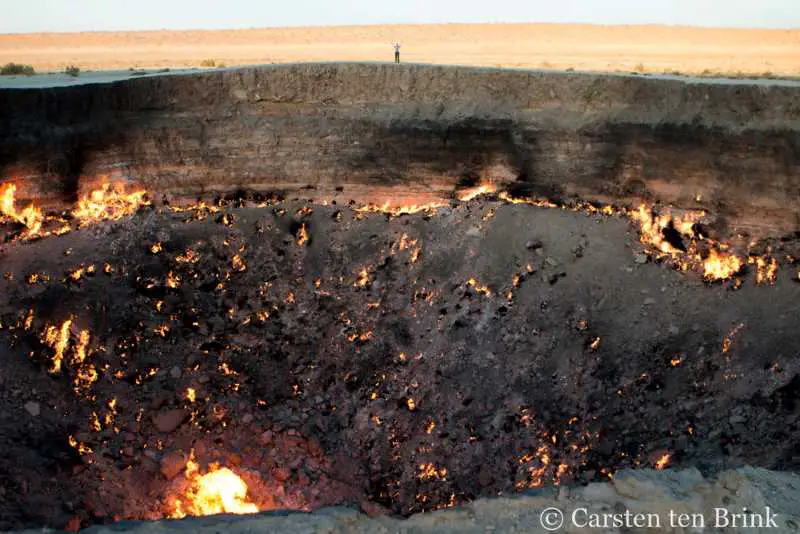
{"x":396,"y":52}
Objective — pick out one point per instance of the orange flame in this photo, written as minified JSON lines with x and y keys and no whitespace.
{"x":484,"y":189}
{"x":396,"y":211}
{"x":31,"y":217}
{"x":719,"y":266}
{"x":663,"y":461}
{"x":110,"y":202}
{"x":220,"y":491}
{"x":302,"y":235}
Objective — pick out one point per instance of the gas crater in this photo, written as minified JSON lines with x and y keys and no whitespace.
{"x":382,"y":305}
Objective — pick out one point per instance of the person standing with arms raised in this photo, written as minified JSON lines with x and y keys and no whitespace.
{"x":396,"y":52}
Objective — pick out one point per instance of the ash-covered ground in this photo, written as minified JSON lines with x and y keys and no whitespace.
{"x":398,"y":364}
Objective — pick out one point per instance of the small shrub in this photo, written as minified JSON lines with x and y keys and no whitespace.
{"x":72,"y":70}
{"x":14,"y":69}
{"x":208,"y":63}
{"x":639,"y":67}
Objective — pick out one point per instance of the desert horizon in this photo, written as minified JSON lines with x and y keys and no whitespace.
{"x":649,"y":48}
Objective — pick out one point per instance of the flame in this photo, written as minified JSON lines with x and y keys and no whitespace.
{"x":484,"y":189}
{"x":110,"y":202}
{"x":719,"y":266}
{"x":663,"y":461}
{"x":58,"y":339}
{"x":302,"y":235}
{"x":396,"y":211}
{"x":238,"y":264}
{"x":363,"y":279}
{"x":766,"y":269}
{"x":653,"y":230}
{"x":220,"y":491}
{"x":31,"y":217}
{"x":431,"y":472}
{"x":483,"y":290}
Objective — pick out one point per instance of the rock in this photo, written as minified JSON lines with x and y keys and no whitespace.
{"x":485,"y":477}
{"x":534,"y":244}
{"x":374,"y":509}
{"x":73,"y":525}
{"x":265,"y":438}
{"x":649,"y":301}
{"x":172,"y":464}
{"x":176,"y":372}
{"x":169,"y":420}
{"x":247,"y":419}
{"x":33,"y":408}
{"x":160,"y":400}
{"x":281,"y":474}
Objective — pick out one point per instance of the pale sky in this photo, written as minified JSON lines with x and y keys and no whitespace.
{"x":98,"y":15}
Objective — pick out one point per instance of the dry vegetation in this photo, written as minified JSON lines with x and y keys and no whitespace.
{"x":642,"y":49}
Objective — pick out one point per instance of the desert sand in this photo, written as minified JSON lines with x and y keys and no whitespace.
{"x":653,"y":49}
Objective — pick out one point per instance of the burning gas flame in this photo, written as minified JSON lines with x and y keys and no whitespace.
{"x":674,"y":237}
{"x":110,"y":202}
{"x":302,"y":235}
{"x":31,"y":217}
{"x":766,"y":269}
{"x":663,"y":461}
{"x":220,"y":491}
{"x":484,"y":189}
{"x":395,"y":211}
{"x":719,"y":266}
{"x":57,"y":338}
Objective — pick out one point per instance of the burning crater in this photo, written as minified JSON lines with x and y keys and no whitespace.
{"x":436,"y":284}
{"x":254,"y":353}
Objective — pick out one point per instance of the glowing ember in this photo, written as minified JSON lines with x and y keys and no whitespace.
{"x":220,"y":491}
{"x":110,"y":202}
{"x":727,"y":341}
{"x":238,"y":264}
{"x":431,"y":472}
{"x":363,"y":279}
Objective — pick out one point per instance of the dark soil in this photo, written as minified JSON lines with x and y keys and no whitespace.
{"x":405,"y":389}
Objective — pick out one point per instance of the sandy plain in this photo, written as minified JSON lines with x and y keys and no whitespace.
{"x":647,"y":48}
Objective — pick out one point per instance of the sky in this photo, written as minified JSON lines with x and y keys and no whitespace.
{"x":19,"y":16}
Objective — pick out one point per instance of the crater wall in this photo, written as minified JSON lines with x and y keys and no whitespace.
{"x":385,"y":131}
